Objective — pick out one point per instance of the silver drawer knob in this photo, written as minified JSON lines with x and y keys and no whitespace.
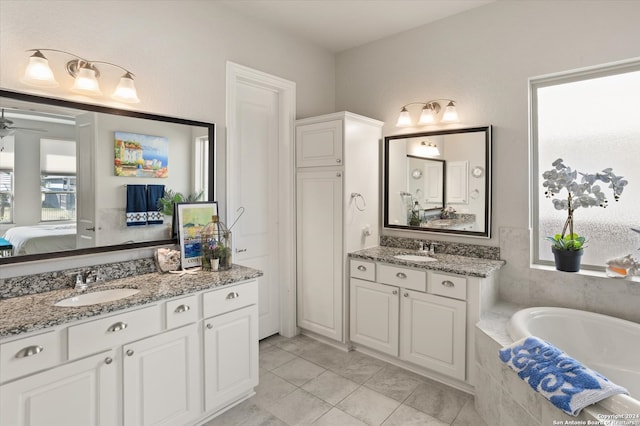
{"x":406,"y":295}
{"x":29,"y":351}
{"x":182,"y":308}
{"x":338,"y":160}
{"x":362,"y":268}
{"x":108,"y":360}
{"x":394,"y":292}
{"x":120,"y":325}
{"x":129,"y":352}
{"x":209,"y":326}
{"x":447,"y":283}
{"x":401,"y":275}
{"x":233,"y":295}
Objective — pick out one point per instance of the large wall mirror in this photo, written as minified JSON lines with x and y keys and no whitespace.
{"x":439,"y":181}
{"x":66,"y":168}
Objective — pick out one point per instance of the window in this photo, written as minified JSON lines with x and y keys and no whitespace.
{"x":590,"y":119}
{"x":6,"y":179}
{"x":57,"y":180}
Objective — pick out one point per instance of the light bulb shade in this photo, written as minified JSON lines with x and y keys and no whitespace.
{"x":429,"y":150}
{"x":450,"y":114}
{"x":427,"y":116}
{"x":126,"y":90}
{"x":38,"y":72}
{"x":404,"y":119}
{"x":86,"y":82}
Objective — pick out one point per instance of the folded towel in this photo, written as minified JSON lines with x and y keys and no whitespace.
{"x":565,"y":382}
{"x":154,"y":193}
{"x":136,"y":205}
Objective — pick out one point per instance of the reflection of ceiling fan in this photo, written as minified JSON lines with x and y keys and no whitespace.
{"x":7,"y":129}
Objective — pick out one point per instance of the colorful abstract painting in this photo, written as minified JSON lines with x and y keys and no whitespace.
{"x":141,"y":155}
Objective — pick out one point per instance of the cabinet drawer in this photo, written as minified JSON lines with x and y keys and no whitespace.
{"x":28,"y":355}
{"x":402,"y":277}
{"x":229,"y":298}
{"x":105,"y":333}
{"x":363,"y":270}
{"x":181,"y":311}
{"x":447,"y":285}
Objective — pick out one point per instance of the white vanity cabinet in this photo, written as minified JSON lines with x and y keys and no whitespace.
{"x":337,"y":157}
{"x":142,"y":366}
{"x":417,"y":315}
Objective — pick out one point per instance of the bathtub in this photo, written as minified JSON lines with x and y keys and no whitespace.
{"x":608,"y":345}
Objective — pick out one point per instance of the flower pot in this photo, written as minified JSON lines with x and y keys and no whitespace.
{"x":567,"y":260}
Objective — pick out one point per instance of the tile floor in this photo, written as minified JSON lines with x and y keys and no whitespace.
{"x":305,"y":382}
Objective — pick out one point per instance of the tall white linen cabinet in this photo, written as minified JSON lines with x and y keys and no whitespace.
{"x":337,"y":211}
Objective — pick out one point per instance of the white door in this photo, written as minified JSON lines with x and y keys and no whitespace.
{"x":85,"y":182}
{"x":80,"y":393}
{"x":259,"y":173}
{"x":162,"y":378}
{"x":230,"y":356}
{"x":375,"y":315}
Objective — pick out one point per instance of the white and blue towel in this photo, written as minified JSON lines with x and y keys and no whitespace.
{"x":154,"y":193}
{"x":565,"y":382}
{"x":136,"y":208}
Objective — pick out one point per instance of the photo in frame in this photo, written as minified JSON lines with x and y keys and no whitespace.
{"x":192,"y":218}
{"x":140,"y":155}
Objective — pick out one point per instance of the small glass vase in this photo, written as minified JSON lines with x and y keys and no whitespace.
{"x":215,"y":244}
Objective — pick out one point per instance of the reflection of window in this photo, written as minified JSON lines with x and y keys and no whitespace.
{"x":201,"y":166}
{"x":590,"y":120}
{"x":58,"y":179}
{"x":6,"y":179}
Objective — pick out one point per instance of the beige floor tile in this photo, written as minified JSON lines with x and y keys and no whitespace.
{"x":330,"y":387}
{"x":359,"y":368}
{"x":407,"y":416}
{"x":299,"y":408}
{"x":295,"y":345}
{"x":468,"y":416}
{"x":270,"y":390}
{"x":369,"y":406}
{"x":325,"y":356}
{"x":237,"y":415}
{"x":298,"y":371}
{"x":438,"y":400}
{"x":394,"y":382}
{"x":274,"y":357}
{"x":337,"y":417}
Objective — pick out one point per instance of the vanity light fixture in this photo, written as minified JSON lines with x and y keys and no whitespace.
{"x":429,"y":149}
{"x":86,"y":74}
{"x":429,"y":114}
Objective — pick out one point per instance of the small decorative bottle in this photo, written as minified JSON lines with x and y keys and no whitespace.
{"x":215,"y":241}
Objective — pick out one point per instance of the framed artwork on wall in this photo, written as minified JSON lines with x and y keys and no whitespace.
{"x":140,"y":155}
{"x":192,"y":218}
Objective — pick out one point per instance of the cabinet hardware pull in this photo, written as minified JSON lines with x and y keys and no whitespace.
{"x":182,"y":308}
{"x":120,"y":325}
{"x":233,"y":295}
{"x":108,"y":360}
{"x":447,"y":283}
{"x":338,"y":160}
{"x":401,"y":275}
{"x":362,"y":268}
{"x":240,"y":250}
{"x":129,"y":352}
{"x":338,"y":174}
{"x":209,"y":326}
{"x":394,"y":292}
{"x":29,"y":351}
{"x":406,"y":295}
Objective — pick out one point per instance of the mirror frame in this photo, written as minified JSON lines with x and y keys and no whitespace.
{"x":26,"y":97}
{"x":486,"y":233}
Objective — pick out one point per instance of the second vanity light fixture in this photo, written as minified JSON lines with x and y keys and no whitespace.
{"x":39,"y":74}
{"x":429,"y":114}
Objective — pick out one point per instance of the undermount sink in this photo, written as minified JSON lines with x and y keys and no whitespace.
{"x":441,"y":222}
{"x":96,"y":297}
{"x":414,"y":258}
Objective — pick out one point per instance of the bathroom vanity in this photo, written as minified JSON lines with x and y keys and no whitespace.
{"x":420,"y":310}
{"x":177,"y":352}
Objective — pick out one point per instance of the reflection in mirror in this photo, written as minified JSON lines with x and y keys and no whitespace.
{"x":432,"y":181}
{"x":65,"y":176}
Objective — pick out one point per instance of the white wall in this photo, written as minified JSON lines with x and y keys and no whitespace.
{"x":177,"y":49}
{"x":483,"y":59}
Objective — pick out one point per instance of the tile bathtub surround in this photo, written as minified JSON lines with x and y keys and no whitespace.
{"x":37,"y":311}
{"x":305,"y":382}
{"x":58,"y":280}
{"x":458,"y":249}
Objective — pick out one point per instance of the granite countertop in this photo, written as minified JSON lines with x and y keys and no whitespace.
{"x":461,"y":265}
{"x":36,"y":311}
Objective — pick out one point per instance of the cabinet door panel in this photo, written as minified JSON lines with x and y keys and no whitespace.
{"x":162,"y":378}
{"x":374,"y":315}
{"x":433,"y":332}
{"x":319,"y":258}
{"x":319,"y":144}
{"x":82,"y":393}
{"x":230,"y":356}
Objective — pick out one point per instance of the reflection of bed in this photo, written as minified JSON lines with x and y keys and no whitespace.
{"x":41,"y":238}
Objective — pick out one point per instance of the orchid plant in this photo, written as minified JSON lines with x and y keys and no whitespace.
{"x":585,"y":193}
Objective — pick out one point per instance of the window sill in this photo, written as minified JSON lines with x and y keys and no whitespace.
{"x":583,"y":272}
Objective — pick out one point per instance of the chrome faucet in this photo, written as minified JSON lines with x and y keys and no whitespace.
{"x":84,"y":281}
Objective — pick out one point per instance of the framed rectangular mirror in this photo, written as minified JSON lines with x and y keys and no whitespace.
{"x":61,"y":192}
{"x":439,"y":181}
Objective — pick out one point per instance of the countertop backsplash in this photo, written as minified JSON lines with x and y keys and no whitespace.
{"x":444,"y":247}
